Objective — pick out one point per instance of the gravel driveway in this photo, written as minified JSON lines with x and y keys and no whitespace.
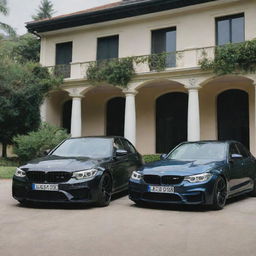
{"x":124,"y":229}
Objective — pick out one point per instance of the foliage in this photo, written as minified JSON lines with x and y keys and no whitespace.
{"x":3,"y":26}
{"x":157,"y":62}
{"x":9,"y":162}
{"x":45,"y":10}
{"x":119,"y":72}
{"x":232,"y":59}
{"x":35,"y":143}
{"x":151,"y":158}
{"x":7,"y":172}
{"x":22,"y":90}
{"x":22,"y":49}
{"x":27,"y":49}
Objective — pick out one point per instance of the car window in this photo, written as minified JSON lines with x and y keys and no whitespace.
{"x":243,"y":151}
{"x":118,"y":144}
{"x":233,"y":150}
{"x":128,"y":146}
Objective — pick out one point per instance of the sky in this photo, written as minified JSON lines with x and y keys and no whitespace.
{"x":20,"y":11}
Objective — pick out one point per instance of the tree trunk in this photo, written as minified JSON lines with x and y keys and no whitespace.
{"x":4,"y":150}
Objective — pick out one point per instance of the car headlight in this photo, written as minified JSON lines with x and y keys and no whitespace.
{"x":86,"y":174}
{"x":20,"y":173}
{"x":199,"y":178}
{"x":136,"y":176}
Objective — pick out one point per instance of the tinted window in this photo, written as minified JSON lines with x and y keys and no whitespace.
{"x":85,"y":147}
{"x":199,"y":151}
{"x":230,"y":29}
{"x":233,"y":150}
{"x":107,"y":47}
{"x":128,"y":147}
{"x":118,"y":144}
{"x":164,"y":40}
{"x":243,"y":151}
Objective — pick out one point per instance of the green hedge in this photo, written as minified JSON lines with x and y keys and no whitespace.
{"x":7,"y":172}
{"x":151,"y":158}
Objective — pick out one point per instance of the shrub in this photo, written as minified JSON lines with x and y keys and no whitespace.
{"x":151,"y":158}
{"x":34,"y":144}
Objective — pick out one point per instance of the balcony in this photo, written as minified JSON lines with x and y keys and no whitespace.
{"x":174,"y":61}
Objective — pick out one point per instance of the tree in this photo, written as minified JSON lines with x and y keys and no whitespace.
{"x":3,"y":26}
{"x":22,"y":89}
{"x":22,"y":49}
{"x":45,"y":10}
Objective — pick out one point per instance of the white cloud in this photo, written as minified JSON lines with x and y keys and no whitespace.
{"x":20,"y":11}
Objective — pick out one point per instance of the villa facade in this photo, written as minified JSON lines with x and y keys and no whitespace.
{"x":158,"y":109}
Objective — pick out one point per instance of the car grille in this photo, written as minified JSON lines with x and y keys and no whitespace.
{"x":163,"y":180}
{"x":46,"y":196}
{"x":40,"y":176}
{"x":161,"y":197}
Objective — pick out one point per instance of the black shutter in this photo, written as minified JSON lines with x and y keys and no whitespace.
{"x":107,"y":47}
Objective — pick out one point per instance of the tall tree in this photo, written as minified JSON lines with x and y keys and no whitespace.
{"x":22,"y":89}
{"x":45,"y":10}
{"x":3,"y":26}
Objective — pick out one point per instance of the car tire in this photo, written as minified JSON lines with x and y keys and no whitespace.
{"x":105,"y":190}
{"x":220,"y":194}
{"x":139,"y":203}
{"x":253,"y":192}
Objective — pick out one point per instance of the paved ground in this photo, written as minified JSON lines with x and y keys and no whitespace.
{"x":124,"y":229}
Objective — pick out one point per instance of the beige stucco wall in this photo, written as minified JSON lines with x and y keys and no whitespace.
{"x":195,"y":29}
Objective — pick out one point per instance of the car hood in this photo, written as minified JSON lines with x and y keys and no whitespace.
{"x":56,"y":163}
{"x":180,"y":168}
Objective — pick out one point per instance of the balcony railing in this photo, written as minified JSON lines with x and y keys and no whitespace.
{"x":186,"y":59}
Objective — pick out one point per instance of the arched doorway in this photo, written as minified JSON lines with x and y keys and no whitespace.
{"x":233,"y":116}
{"x":171,"y":121}
{"x":66,"y":115}
{"x":115,"y":117}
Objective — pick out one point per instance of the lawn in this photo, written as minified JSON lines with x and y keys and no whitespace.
{"x":6,"y":172}
{"x":7,"y":167}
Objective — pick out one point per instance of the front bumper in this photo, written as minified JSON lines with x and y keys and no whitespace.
{"x":72,"y":191}
{"x":184,"y":193}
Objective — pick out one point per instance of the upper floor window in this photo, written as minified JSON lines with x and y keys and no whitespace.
{"x":63,"y":58}
{"x":164,"y":40}
{"x":230,"y":29}
{"x":107,"y":47}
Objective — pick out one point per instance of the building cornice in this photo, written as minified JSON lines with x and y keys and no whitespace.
{"x":121,"y":11}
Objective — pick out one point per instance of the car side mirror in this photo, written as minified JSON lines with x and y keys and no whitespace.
{"x":163,"y":156}
{"x":46,"y":152}
{"x":121,"y":152}
{"x":235,"y":157}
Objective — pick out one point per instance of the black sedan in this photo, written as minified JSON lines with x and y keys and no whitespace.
{"x":206,"y":172}
{"x":84,"y":170}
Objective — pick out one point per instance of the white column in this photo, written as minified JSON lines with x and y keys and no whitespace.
{"x":130,"y":116}
{"x":193,"y":113}
{"x":43,"y":110}
{"x":76,"y":117}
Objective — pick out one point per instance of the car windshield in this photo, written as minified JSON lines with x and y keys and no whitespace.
{"x":199,"y":151}
{"x":85,"y":147}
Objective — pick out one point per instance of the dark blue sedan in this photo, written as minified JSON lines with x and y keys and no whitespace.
{"x":205,"y":172}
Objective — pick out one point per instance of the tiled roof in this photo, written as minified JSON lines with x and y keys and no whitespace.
{"x":109,"y":12}
{"x":94,"y":9}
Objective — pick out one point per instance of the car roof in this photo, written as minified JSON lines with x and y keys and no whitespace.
{"x":98,"y":137}
{"x":213,"y":141}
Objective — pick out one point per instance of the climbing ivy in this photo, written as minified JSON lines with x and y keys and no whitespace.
{"x":231,"y":59}
{"x":119,"y":72}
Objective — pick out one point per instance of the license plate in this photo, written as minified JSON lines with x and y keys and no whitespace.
{"x":161,"y":189}
{"x":45,"y":187}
